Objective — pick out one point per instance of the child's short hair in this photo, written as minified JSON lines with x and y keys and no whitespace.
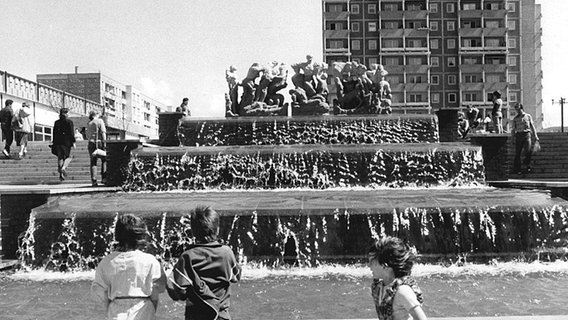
{"x":130,"y":231}
{"x":204,"y":224}
{"x":394,"y":253}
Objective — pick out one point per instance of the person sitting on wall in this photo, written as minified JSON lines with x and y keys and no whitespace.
{"x":463,"y":125}
{"x":184,"y":107}
{"x":473,"y":119}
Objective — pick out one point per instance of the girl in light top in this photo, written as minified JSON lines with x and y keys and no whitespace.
{"x":395,"y":293}
{"x":128,"y":281}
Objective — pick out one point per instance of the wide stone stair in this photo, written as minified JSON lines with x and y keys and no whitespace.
{"x":39,"y":166}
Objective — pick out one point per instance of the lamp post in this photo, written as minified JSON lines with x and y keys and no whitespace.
{"x":561,"y":102}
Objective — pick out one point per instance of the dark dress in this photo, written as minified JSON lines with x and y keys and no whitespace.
{"x":63,"y":137}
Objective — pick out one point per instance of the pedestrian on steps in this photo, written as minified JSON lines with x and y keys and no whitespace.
{"x":6,"y":115}
{"x":63,"y":141}
{"x":96,"y":135}
{"x":22,"y":126}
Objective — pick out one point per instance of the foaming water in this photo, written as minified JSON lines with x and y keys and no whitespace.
{"x":252,"y":272}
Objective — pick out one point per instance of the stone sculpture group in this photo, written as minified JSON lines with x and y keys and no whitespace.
{"x":359,"y":90}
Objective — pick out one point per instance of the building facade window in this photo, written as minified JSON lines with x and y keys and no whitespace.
{"x":433,"y":7}
{"x":373,"y":61}
{"x":415,"y":97}
{"x":42,"y":133}
{"x":355,"y":26}
{"x":512,"y":43}
{"x":434,"y":43}
{"x":435,"y":61}
{"x":434,"y":25}
{"x":391,"y":61}
{"x":372,"y":8}
{"x":511,"y":24}
{"x":512,"y":61}
{"x":435,"y":79}
{"x":415,"y":61}
{"x":451,"y":43}
{"x":513,"y":97}
{"x":372,"y":44}
{"x":513,"y":78}
{"x":469,"y":96}
{"x":511,"y":6}
{"x":372,"y":26}
{"x":451,"y":97}
{"x":355,"y":9}
{"x":435,"y":97}
{"x":356,"y":44}
{"x":450,"y":8}
{"x":451,"y":79}
{"x":451,"y":25}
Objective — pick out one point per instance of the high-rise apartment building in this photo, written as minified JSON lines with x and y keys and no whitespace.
{"x":127,"y":111}
{"x":443,"y":53}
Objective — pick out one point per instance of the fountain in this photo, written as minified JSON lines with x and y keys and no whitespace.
{"x":303,"y":189}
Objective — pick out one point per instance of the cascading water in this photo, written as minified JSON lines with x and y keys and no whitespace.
{"x":285,"y":198}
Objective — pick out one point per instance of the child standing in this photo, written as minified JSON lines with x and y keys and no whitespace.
{"x":203,"y":274}
{"x":128,"y":281}
{"x":395,"y":293}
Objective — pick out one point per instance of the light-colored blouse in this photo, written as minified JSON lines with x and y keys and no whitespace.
{"x":129,"y":280}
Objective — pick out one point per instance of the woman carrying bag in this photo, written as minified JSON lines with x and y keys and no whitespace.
{"x":96,"y":135}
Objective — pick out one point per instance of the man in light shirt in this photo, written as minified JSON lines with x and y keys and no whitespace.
{"x":522,"y":128}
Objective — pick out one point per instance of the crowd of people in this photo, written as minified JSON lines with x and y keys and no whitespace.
{"x":129,"y":281}
{"x":16,"y":126}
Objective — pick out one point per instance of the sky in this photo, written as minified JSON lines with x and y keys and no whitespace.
{"x":179,"y":48}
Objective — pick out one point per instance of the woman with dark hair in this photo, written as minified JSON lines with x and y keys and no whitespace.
{"x":395,"y":292}
{"x":63,"y":141}
{"x":128,"y":281}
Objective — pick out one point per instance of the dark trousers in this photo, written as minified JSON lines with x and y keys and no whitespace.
{"x":522,"y":143}
{"x":8,"y":135}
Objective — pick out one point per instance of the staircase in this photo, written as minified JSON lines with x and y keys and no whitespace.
{"x":39,"y":166}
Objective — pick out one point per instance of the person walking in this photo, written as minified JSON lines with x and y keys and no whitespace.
{"x":6,"y":115}
{"x":63,"y":141}
{"x":22,"y":126}
{"x":522,"y":128}
{"x":96,"y":135}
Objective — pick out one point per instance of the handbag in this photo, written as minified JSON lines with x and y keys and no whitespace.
{"x":53,"y":149}
{"x":98,"y":153}
{"x":536,"y":147}
{"x":17,"y":122}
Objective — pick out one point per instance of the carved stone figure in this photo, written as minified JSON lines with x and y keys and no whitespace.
{"x":260,"y":95}
{"x":310,"y":93}
{"x":360,"y":91}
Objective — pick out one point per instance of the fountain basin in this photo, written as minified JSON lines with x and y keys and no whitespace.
{"x":305,"y":226}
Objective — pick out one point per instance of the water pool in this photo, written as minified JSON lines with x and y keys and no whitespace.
{"x":327,"y":292}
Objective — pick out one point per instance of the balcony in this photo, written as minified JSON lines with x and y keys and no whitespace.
{"x":394,"y":70}
{"x":492,"y":86}
{"x":471,"y":68}
{"x":471,"y":32}
{"x":391,"y":15}
{"x":421,"y":69}
{"x":470,"y":14}
{"x":417,"y":49}
{"x":391,"y":33}
{"x":495,"y":68}
{"x":336,"y":15}
{"x":495,"y":14}
{"x":337,"y":51}
{"x":416,"y":33}
{"x":494,"y":32}
{"x":464,"y":49}
{"x":477,"y":86}
{"x":416,"y":87}
{"x":416,"y":15}
{"x":392,"y":50}
{"x":336,"y":34}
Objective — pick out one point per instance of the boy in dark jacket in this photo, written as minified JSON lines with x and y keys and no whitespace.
{"x":203,"y":274}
